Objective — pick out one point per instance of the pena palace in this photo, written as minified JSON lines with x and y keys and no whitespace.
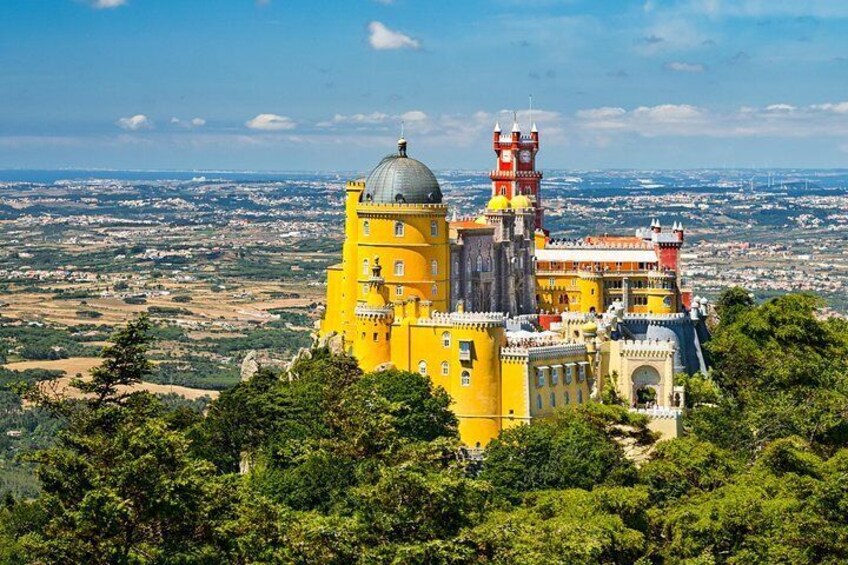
{"x":509,"y":321}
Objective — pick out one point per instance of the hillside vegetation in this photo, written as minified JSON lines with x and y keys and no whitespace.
{"x":343,"y":467}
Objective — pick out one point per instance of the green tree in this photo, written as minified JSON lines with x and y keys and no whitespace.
{"x":574,"y":448}
{"x":567,"y":527}
{"x":732,"y":302}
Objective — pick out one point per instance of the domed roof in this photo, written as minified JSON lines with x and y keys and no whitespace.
{"x":498,"y":202}
{"x":590,"y":328}
{"x":521,"y":201}
{"x":399,"y":179}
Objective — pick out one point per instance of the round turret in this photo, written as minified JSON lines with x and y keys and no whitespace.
{"x":399,"y":179}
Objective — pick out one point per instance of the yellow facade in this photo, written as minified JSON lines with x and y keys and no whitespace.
{"x":388,"y":305}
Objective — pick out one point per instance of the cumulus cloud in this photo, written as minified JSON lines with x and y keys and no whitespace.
{"x":414,"y":116}
{"x":135,"y":123}
{"x":106,"y":4}
{"x":684,"y":120}
{"x":382,"y":38}
{"x":680,"y":67}
{"x":271,"y":122}
{"x":836,"y":108}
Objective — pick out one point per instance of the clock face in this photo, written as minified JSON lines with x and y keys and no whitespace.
{"x":525,"y":156}
{"x":506,"y":156}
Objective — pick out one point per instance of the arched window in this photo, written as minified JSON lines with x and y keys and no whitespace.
{"x":567,"y":398}
{"x":538,"y":401}
{"x":553,"y":400}
{"x":465,"y":378}
{"x":446,"y":339}
{"x":434,"y":228}
{"x":434,"y":267}
{"x":366,"y":268}
{"x":366,"y":228}
{"x":479,"y":264}
{"x":434,"y":290}
{"x":445,"y":368}
{"x":579,"y":396}
{"x":422,"y":367}
{"x":398,"y":229}
{"x":399,"y":269}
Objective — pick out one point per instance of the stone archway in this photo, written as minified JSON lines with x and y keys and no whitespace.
{"x":646,"y":387}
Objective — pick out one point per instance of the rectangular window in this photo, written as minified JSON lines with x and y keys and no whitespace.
{"x":581,"y":373}
{"x":398,"y":290}
{"x":399,"y":268}
{"x":434,"y":228}
{"x":398,"y":229}
{"x":554,"y":376}
{"x":464,"y":350}
{"x":540,"y":377}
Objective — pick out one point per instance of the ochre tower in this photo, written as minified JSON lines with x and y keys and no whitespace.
{"x":515,"y":171}
{"x":395,"y":218}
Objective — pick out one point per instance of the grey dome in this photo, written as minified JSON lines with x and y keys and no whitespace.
{"x":401,"y":179}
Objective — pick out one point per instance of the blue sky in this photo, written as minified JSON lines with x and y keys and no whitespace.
{"x":324,"y":84}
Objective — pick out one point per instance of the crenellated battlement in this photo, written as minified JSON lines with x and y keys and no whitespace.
{"x":373,"y":312}
{"x":534,"y":353}
{"x":656,"y":349}
{"x":673,"y":318}
{"x":465,"y":319}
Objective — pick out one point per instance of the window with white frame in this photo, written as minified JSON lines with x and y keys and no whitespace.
{"x":434,"y":267}
{"x":540,"y":377}
{"x":399,"y":229}
{"x":446,"y":339}
{"x":366,"y":228}
{"x":434,"y":228}
{"x":465,"y":379}
{"x":399,"y":268}
{"x":445,"y":368}
{"x":422,"y":367}
{"x":366,"y":267}
{"x":398,"y":290}
{"x":464,"y":350}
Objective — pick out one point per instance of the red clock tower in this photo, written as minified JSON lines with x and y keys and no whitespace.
{"x":516,"y":172}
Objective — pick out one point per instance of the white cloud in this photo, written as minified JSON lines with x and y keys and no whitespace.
{"x":193,"y":123}
{"x":684,"y":120}
{"x":106,"y":4}
{"x":271,"y":122}
{"x":681,"y":67}
{"x":364,"y":119}
{"x":603,"y":113}
{"x":414,"y":116}
{"x":380,"y":37}
{"x":135,"y":123}
{"x":780,"y":108}
{"x":836,"y":108}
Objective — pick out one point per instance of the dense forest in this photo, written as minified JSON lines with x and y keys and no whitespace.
{"x":328,"y":465}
